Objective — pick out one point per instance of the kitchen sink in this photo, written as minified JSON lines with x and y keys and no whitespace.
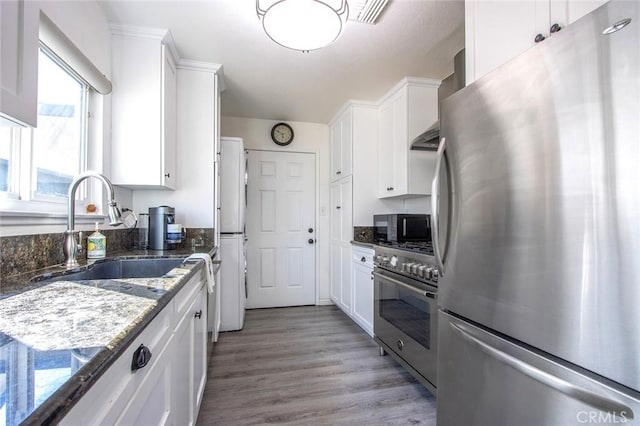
{"x":121,"y":268}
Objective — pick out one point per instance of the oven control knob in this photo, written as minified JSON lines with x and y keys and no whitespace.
{"x":421,"y":270}
{"x":435,"y":274}
{"x":394,"y":261}
{"x":406,"y":267}
{"x":428,"y":273}
{"x":414,"y":268}
{"x":385,"y":259}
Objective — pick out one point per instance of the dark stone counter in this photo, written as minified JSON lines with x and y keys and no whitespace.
{"x":58,"y":337}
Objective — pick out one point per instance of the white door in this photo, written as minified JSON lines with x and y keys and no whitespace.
{"x":281,"y":230}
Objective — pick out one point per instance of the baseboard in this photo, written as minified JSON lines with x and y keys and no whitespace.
{"x":324,"y":302}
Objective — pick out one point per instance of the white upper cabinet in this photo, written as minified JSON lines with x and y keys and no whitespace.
{"x":342,"y":145}
{"x":19,"y":62}
{"x":144,"y":109}
{"x":407,"y":110}
{"x":497,"y":31}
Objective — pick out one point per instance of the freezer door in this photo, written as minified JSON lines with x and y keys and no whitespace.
{"x":544,"y":156}
{"x":487,"y":380}
{"x":232,"y":185}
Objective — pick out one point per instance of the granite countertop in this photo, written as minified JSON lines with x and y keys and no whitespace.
{"x":363,"y":244}
{"x":57,"y":336}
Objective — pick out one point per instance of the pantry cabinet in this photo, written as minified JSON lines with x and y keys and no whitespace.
{"x":168,"y":390}
{"x":497,"y":31}
{"x":143,"y":153}
{"x":341,"y":233}
{"x":405,"y":112}
{"x":19,"y":62}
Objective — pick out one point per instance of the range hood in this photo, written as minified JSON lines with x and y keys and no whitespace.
{"x":427,"y":140}
{"x":430,"y":138}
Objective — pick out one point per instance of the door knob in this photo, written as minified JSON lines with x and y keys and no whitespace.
{"x":311,"y":241}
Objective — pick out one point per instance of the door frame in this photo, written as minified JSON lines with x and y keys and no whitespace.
{"x":316,"y":252}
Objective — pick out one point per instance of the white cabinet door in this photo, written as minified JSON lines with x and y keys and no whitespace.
{"x":362,"y":283}
{"x":341,"y":134}
{"x":19,"y":62}
{"x":386,"y":150}
{"x":346,"y":153}
{"x":199,"y":350}
{"x":341,"y":236}
{"x":183,"y":357}
{"x":497,"y":31}
{"x":408,"y":110}
{"x":169,"y":119}
{"x":143,"y":153}
{"x":335,"y":287}
{"x":345,"y":284}
{"x":336,"y":149}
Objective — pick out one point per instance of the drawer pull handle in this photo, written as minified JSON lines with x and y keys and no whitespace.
{"x":198,"y":314}
{"x":141,"y":357}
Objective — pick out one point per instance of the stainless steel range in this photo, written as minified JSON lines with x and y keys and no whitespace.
{"x":405,"y":315}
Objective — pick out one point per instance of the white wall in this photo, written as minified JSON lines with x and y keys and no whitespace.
{"x":309,"y":137}
{"x":193,"y":197}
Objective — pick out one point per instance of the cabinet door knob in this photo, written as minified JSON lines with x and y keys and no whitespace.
{"x":539,"y":38}
{"x":338,"y":207}
{"x":338,"y":172}
{"x":310,"y":230}
{"x":364,"y":259}
{"x":198,"y":314}
{"x":141,"y":357}
{"x":555,"y":28}
{"x":311,"y":241}
{"x":167,"y":175}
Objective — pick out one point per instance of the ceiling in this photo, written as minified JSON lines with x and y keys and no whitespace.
{"x":416,"y":38}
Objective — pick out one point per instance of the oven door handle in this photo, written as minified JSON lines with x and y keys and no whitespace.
{"x":423,"y":293}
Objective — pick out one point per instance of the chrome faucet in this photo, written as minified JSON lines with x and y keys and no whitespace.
{"x":71,"y":245}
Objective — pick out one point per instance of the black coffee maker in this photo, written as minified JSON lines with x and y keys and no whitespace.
{"x":159,"y":218}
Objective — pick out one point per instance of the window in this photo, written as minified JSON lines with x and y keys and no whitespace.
{"x":37,"y":165}
{"x":60,"y":139}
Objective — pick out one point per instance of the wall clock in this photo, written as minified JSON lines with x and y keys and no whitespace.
{"x":282,"y":134}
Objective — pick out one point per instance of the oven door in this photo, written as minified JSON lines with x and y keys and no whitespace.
{"x":405,"y":320}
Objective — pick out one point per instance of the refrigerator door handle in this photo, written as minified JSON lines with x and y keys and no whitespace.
{"x":435,"y":206}
{"x":586,"y":396}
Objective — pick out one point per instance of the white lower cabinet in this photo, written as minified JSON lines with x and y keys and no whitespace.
{"x":362,"y":287}
{"x":189,"y":362}
{"x":352,"y":283}
{"x":168,"y":390}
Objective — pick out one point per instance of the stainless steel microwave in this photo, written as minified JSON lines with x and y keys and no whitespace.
{"x":401,"y":227}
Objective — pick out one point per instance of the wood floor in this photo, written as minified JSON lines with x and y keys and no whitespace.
{"x":308,"y":366}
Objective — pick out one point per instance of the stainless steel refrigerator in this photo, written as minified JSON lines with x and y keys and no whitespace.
{"x":538,"y":233}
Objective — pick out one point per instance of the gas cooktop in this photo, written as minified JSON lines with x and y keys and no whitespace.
{"x":422,"y":247}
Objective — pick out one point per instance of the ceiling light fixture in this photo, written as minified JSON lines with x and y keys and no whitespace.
{"x":303,"y":24}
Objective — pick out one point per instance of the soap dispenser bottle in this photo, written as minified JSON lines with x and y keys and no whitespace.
{"x":96,"y":245}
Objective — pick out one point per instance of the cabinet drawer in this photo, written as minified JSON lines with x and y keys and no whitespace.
{"x":185,"y":297}
{"x":109,"y":395}
{"x":358,"y":254}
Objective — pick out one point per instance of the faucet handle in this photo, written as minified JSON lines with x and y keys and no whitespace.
{"x":79,"y":241}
